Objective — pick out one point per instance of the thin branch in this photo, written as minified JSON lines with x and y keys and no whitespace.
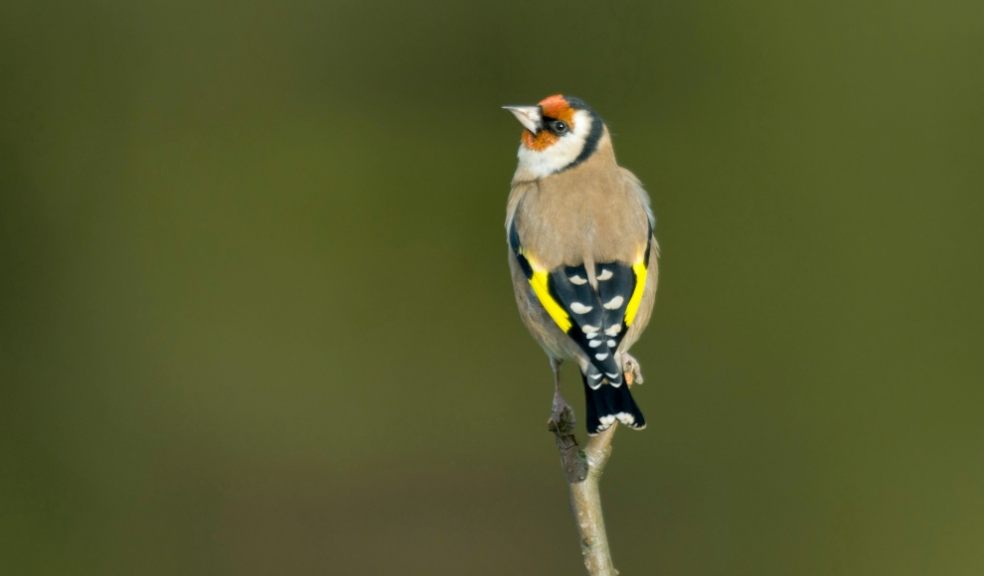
{"x":583,"y":470}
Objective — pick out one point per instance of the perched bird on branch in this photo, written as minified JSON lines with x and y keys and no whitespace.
{"x":582,"y":254}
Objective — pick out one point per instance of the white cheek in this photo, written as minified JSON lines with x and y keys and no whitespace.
{"x":540,"y":163}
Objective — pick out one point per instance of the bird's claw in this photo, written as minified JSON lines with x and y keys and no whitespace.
{"x":632,"y":370}
{"x":562,"y":421}
{"x":562,"y":424}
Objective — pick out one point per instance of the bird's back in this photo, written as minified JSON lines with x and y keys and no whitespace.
{"x":582,"y":216}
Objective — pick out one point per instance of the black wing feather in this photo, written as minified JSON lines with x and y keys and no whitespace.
{"x":595,"y":328}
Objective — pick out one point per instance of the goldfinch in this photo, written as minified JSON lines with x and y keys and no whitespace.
{"x":582,"y":253}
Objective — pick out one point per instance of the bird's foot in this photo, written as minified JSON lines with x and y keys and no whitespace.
{"x":562,"y":424}
{"x":632,"y":370}
{"x":562,"y":419}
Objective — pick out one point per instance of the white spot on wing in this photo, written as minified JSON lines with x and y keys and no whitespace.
{"x":606,"y":274}
{"x":614,"y":303}
{"x":611,"y":343}
{"x":601,"y":356}
{"x":578,"y":308}
{"x":578,"y":280}
{"x":614,"y":330}
{"x":594,"y":343}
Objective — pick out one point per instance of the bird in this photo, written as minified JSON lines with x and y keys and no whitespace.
{"x":582,"y":254}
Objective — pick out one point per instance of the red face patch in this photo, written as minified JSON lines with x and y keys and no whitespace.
{"x":556,"y":106}
{"x":542,"y":140}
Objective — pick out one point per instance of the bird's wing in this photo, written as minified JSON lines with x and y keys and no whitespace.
{"x":632,"y":183}
{"x":595,"y":318}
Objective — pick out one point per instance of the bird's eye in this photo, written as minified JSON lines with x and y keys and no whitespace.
{"x":558,"y":127}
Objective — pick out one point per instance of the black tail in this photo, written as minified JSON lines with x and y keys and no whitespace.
{"x":608,"y":403}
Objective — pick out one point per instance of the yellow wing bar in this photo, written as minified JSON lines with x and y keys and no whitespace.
{"x":538,"y":281}
{"x":640,"y":286}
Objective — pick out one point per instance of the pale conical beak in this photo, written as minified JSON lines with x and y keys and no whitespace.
{"x":528,"y":116}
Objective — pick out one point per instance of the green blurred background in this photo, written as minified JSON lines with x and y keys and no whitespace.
{"x":256,"y":316}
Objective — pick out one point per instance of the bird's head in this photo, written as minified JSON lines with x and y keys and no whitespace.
{"x":560,"y":133}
